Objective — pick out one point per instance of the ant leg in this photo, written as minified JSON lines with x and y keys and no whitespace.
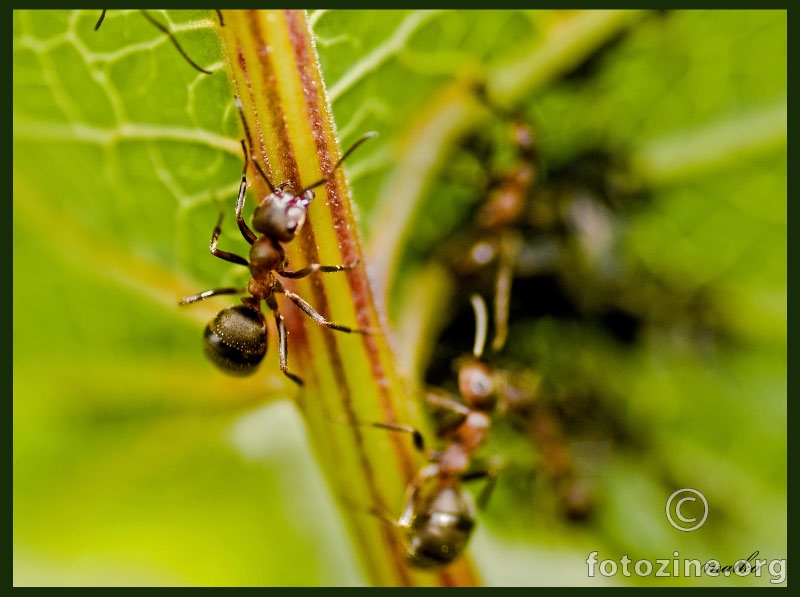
{"x":491,"y":481}
{"x":502,"y":295}
{"x":248,"y":234}
{"x":283,"y":348}
{"x":413,"y":493}
{"x":481,"y":325}
{"x":224,"y":254}
{"x":314,"y":267}
{"x":188,"y":300}
{"x":238,"y":102}
{"x":309,"y":310}
{"x":174,"y":41}
{"x":219,"y":15}
{"x":486,"y":492}
{"x":509,"y":251}
{"x":383,"y":516}
{"x":448,"y":413}
{"x":419,"y":441}
{"x":100,"y":20}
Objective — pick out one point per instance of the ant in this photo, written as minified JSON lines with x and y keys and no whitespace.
{"x":520,"y":403}
{"x":500,"y":217}
{"x":440,"y":513}
{"x":236,"y":339}
{"x":557,"y":225}
{"x":516,"y":398}
{"x":169,"y":34}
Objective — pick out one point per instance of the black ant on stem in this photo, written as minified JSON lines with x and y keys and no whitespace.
{"x":169,"y":34}
{"x":236,"y":339}
{"x":440,"y":513}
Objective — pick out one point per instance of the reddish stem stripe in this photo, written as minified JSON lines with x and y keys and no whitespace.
{"x":342,"y":215}
{"x":350,"y":251}
{"x":261,"y":47}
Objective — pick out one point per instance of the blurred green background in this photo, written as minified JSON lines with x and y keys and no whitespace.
{"x":135,"y":462}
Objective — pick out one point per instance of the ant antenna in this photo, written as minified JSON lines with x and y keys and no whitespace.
{"x":168,"y":33}
{"x":263,"y":174}
{"x":347,"y":153}
{"x":481,"y":324}
{"x":416,"y":436}
{"x":246,"y":128}
{"x":174,"y":41}
{"x":100,"y":20}
{"x":221,"y":20}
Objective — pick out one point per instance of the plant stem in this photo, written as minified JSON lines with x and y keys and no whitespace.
{"x":350,"y":379}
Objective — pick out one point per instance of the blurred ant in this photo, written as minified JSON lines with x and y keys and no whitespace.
{"x":501,"y":215}
{"x":559,"y":225}
{"x":521,"y":405}
{"x":236,"y":339}
{"x":516,"y":397}
{"x":440,"y":513}
{"x":169,"y":34}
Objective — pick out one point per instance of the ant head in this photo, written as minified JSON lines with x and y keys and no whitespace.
{"x":281,"y":213}
{"x":476,"y":381}
{"x":236,"y":340}
{"x":476,"y":385}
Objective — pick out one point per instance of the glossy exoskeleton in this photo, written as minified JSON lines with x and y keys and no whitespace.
{"x":440,"y":512}
{"x":438,"y":520}
{"x":236,"y":339}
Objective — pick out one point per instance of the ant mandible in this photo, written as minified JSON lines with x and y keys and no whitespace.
{"x":440,"y":513}
{"x":236,"y":339}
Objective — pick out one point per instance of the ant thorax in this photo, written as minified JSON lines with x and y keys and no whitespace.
{"x":266,"y":255}
{"x":282,"y":213}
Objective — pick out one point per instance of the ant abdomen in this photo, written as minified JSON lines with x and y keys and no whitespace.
{"x":236,"y":340}
{"x":439,"y":532}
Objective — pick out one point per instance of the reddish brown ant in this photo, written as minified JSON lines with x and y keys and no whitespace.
{"x":516,"y":397}
{"x":501,"y":215}
{"x":236,"y":339}
{"x":440,"y":513}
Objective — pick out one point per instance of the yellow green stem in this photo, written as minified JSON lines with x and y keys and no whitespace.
{"x":350,"y":379}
